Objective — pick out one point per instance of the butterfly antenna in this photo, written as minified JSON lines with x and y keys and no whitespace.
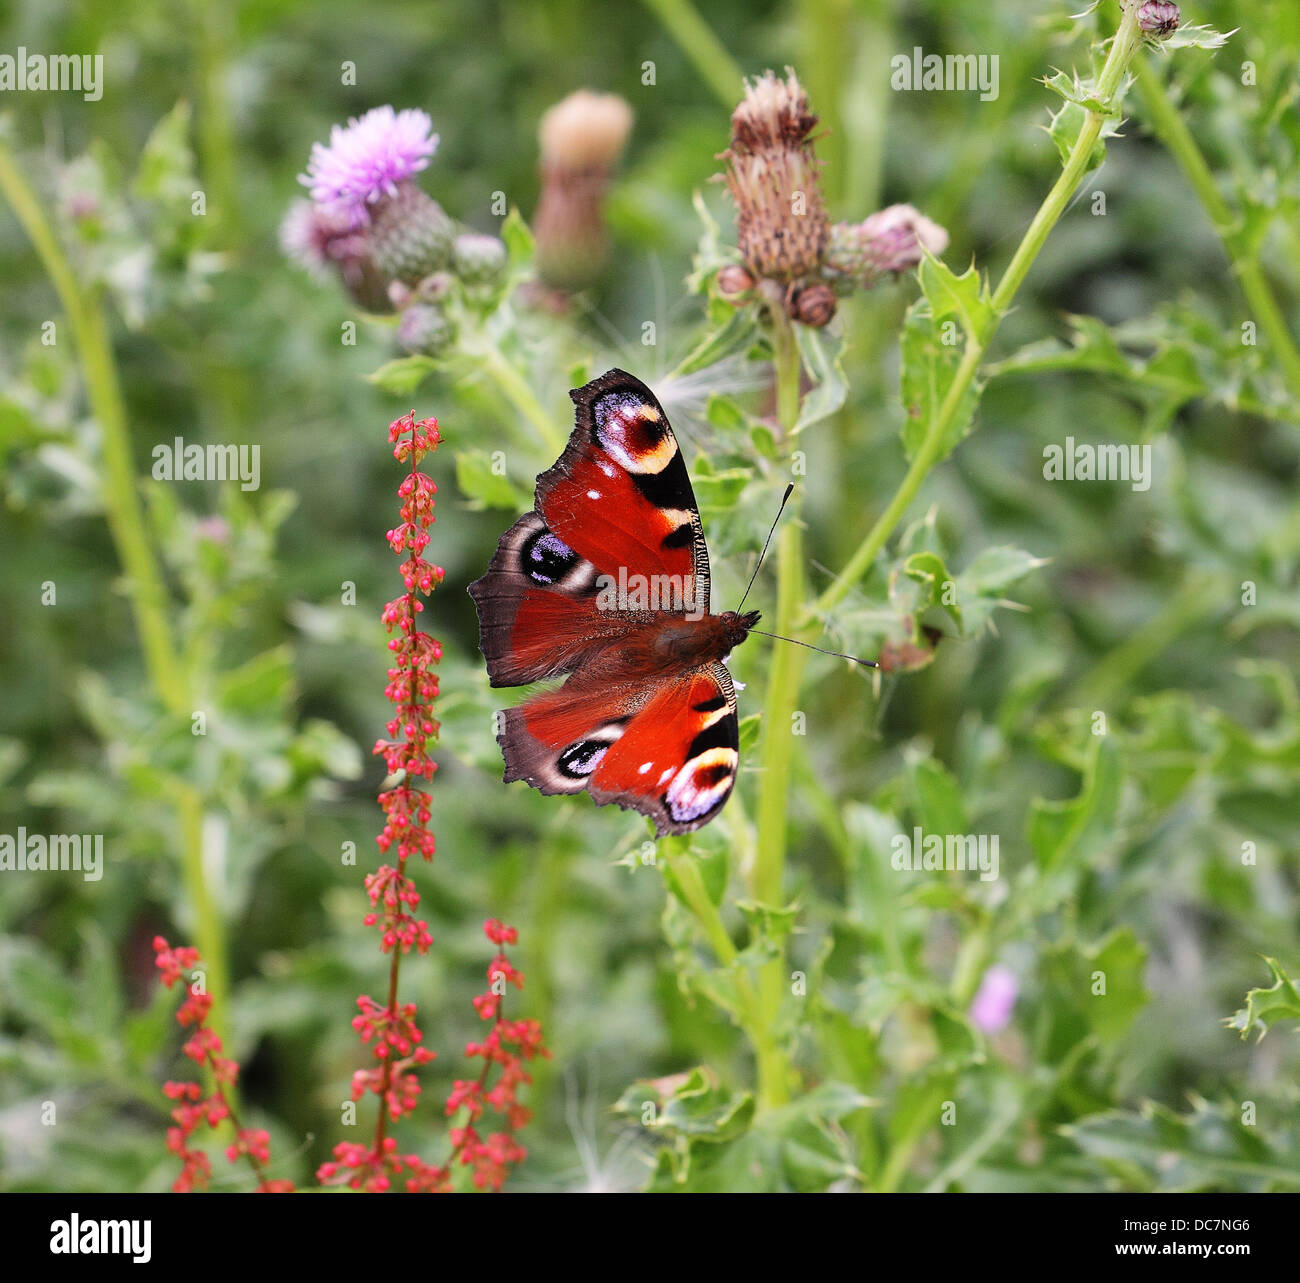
{"x":766,"y":541}
{"x":839,"y":654}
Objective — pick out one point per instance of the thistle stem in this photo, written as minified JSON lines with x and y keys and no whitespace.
{"x":1172,"y":130}
{"x":145,"y":587}
{"x":697,"y":41}
{"x":1123,"y":47}
{"x":767,"y":879}
{"x":516,"y":390}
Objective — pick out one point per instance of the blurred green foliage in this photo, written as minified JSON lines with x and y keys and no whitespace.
{"x":1160,"y":853}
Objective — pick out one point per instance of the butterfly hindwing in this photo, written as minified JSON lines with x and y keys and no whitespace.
{"x":667,"y":748}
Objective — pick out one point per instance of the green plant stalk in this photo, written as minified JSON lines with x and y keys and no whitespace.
{"x":697,"y":41}
{"x":677,"y":858}
{"x":216,"y":135}
{"x":1172,"y":130}
{"x":145,"y":587}
{"x":776,"y":748}
{"x":514,"y":388}
{"x":825,"y":57}
{"x":1123,"y":47}
{"x":1126,"y":42}
{"x":776,"y":752}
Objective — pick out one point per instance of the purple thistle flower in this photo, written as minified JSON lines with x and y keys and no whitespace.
{"x":365,"y":161}
{"x":991,"y":1009}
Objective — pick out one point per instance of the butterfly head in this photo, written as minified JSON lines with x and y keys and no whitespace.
{"x":735,"y":626}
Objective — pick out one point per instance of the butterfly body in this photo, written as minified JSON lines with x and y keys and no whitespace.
{"x":606,"y":584}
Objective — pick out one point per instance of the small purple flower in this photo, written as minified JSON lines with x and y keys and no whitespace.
{"x":314,"y":237}
{"x":365,"y":161}
{"x":991,"y":1010}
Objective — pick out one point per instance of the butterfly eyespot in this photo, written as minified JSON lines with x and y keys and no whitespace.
{"x":546,"y":557}
{"x":580,"y":759}
{"x":633,"y":432}
{"x":701,"y":785}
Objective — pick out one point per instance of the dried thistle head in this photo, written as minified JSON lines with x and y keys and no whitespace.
{"x":773,"y":113}
{"x":582,"y":138}
{"x":773,"y":177}
{"x":586,"y":130}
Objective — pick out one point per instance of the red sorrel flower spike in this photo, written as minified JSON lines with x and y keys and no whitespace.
{"x":193,"y":1109}
{"x":389,"y":1028}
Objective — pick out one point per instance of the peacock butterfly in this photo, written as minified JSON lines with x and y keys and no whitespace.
{"x":606,"y":584}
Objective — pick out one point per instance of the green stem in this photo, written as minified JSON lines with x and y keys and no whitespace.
{"x":777,"y":746}
{"x":145,"y":587}
{"x":216,"y":135}
{"x":932,"y":448}
{"x":676,"y":855}
{"x":1172,"y":130}
{"x":697,"y":41}
{"x":512,"y":385}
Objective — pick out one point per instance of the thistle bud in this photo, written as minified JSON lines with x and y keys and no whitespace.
{"x":1159,"y":18}
{"x":410,"y":235}
{"x":478,"y":260}
{"x":425,"y":329}
{"x":734,"y":283}
{"x":582,"y":138}
{"x":891,"y":241}
{"x":319,"y":238}
{"x":435,"y":288}
{"x":813,"y":305}
{"x":773,"y":177}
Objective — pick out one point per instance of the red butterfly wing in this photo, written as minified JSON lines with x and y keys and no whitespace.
{"x":666,"y":747}
{"x":620,"y":495}
{"x":617,"y":502}
{"x":537,"y":607}
{"x":618,"y":498}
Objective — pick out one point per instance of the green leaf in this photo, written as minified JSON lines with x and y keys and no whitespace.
{"x":931,"y":355}
{"x":484,"y":487}
{"x":1121,"y":959}
{"x":720,"y":1145}
{"x":1188,"y":37}
{"x":519,"y":242}
{"x":691,"y":1104}
{"x":766,"y":921}
{"x":1071,"y":835}
{"x":940,"y":807}
{"x":1067,"y":123}
{"x":980,"y":587}
{"x":1265,"y":1007}
{"x":264,"y":682}
{"x":939,"y":588}
{"x":720,"y":342}
{"x":1209,"y":1149}
{"x":821,"y":358}
{"x":965,"y":297}
{"x":34,"y":987}
{"x":166,"y":169}
{"x":717,"y":492}
{"x":402,"y":375}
